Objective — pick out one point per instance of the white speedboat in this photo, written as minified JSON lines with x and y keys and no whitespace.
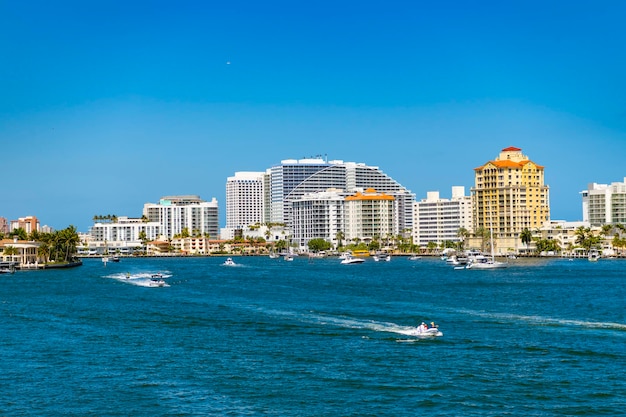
{"x":593,"y":255}
{"x":382,"y":257}
{"x":349,"y":260}
{"x":229,"y":262}
{"x":156,"y":282}
{"x":423,"y":330}
{"x":414,"y":258}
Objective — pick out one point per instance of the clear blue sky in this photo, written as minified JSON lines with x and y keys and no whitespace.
{"x":105,"y":106}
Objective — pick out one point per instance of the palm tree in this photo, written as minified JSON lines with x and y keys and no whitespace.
{"x":483,"y":234}
{"x":463,"y":234}
{"x":44,"y":251}
{"x":69,"y":239}
{"x":11,"y":251}
{"x":526,"y":237}
{"x":19,"y":233}
{"x":340,"y":235}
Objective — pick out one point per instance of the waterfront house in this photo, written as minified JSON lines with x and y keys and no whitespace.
{"x":23,"y":252}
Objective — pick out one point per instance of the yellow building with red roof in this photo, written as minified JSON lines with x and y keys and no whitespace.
{"x":509,"y":195}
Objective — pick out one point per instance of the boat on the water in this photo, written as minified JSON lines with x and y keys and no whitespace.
{"x":484,"y":262}
{"x":7,"y":267}
{"x":229,"y":262}
{"x":156,"y":282}
{"x":349,"y":260}
{"x":424,"y":330}
{"x":594,"y":255}
{"x":382,"y":257}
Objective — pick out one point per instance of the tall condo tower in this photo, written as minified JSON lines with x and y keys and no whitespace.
{"x":509,"y":195}
{"x":245,"y":199}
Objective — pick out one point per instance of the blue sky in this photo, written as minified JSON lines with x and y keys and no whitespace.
{"x":105,"y":106}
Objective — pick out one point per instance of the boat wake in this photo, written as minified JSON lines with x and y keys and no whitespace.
{"x":142,"y":279}
{"x":549,"y":321}
{"x":351,"y":323}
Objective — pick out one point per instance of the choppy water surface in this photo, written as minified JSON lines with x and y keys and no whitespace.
{"x":314,"y":338}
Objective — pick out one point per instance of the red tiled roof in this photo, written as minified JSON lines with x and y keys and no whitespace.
{"x":507,"y":163}
{"x":511,"y":149}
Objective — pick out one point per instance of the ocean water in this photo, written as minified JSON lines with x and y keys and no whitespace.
{"x":314,"y":338}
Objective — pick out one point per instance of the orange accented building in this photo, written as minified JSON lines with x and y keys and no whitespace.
{"x":369,"y":215}
{"x":509,"y":195}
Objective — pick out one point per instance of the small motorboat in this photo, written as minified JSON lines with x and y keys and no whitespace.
{"x":424,"y":330}
{"x":384,"y":257}
{"x":156,"y":282}
{"x":349,"y":260}
{"x":229,"y":262}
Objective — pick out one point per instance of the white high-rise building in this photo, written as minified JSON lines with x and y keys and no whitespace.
{"x":245,"y":199}
{"x":438,"y":219}
{"x":318,"y":216}
{"x":292,"y":179}
{"x":604,"y":204}
{"x":285,"y":178}
{"x":175,"y":213}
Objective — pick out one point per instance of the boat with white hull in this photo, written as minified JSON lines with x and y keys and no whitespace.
{"x":423,"y":330}
{"x":350,"y":260}
{"x":483,"y":262}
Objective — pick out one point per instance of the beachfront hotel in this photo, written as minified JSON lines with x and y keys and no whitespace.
{"x":509,"y":195}
{"x":438,"y":220}
{"x":604,"y":204}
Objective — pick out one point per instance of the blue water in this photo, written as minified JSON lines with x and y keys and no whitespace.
{"x":314,"y":338}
